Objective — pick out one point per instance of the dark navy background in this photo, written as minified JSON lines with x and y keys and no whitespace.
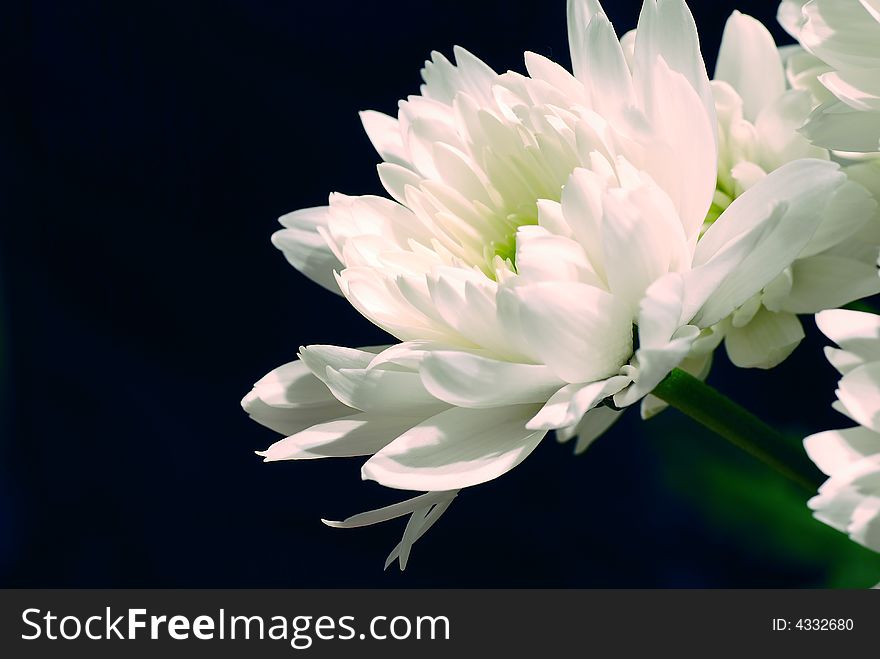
{"x":148,"y":149}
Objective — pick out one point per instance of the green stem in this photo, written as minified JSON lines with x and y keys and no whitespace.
{"x":860,"y":305}
{"x":715,"y":411}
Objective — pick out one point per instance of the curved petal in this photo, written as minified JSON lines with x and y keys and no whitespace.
{"x":358,"y":434}
{"x":580,"y":13}
{"x":827,"y":282}
{"x":424,"y":511}
{"x":607,"y":73}
{"x":834,"y":450}
{"x":286,"y":420}
{"x":544,"y":256}
{"x":766,"y":341}
{"x":568,"y":406}
{"x":592,"y":426}
{"x":848,"y":215}
{"x":777,"y":130}
{"x":318,"y":358}
{"x":378,"y":390}
{"x":749,"y":61}
{"x":859,"y":89}
{"x":290,"y":398}
{"x":757,"y":237}
{"x":642,"y":239}
{"x":859,"y":391}
{"x":856,"y":332}
{"x":465,"y":379}
{"x":837,"y":126}
{"x":456,"y":448}
{"x":305,"y":248}
{"x":384,"y":133}
{"x":581,"y":332}
{"x":666,"y":29}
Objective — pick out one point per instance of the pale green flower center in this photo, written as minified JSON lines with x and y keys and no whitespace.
{"x":504,"y":245}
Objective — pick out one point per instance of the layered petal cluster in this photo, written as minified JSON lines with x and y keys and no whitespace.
{"x":845,"y":36}
{"x":759,"y":115}
{"x":543,"y":259}
{"x":850,"y":499}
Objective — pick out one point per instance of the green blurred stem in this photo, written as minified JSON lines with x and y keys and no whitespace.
{"x":860,"y":305}
{"x":718,"y":413}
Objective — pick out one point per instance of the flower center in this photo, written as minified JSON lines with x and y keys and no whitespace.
{"x":503,"y":246}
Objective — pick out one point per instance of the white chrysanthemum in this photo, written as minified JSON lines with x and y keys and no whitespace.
{"x":845,"y":36}
{"x":850,"y":499}
{"x":758,"y":120}
{"x":536,"y":220}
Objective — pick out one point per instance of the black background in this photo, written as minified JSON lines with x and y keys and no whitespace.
{"x":148,"y":149}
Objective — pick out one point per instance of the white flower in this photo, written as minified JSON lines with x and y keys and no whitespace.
{"x":845,"y":35}
{"x":535,"y":221}
{"x":759,"y":116}
{"x":850,"y":499}
{"x":758,"y":120}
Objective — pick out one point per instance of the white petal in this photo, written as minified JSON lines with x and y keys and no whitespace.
{"x":746,"y":175}
{"x":607,"y":74}
{"x":567,"y":406}
{"x":381,"y":301}
{"x":778,"y":133}
{"x":546,"y":70}
{"x":384,"y":133}
{"x":859,"y":89}
{"x":842,"y":360}
{"x":292,"y":385}
{"x":697,"y":365}
{"x":827,"y":282}
{"x":358,"y":434}
{"x":837,"y":126}
{"x":470,"y":380}
{"x":582,"y":210}
{"x":419,"y":524}
{"x":581,"y":332}
{"x":467,"y":301}
{"x":396,"y":178}
{"x":593,"y":425}
{"x":456,"y":448}
{"x":844,"y":34}
{"x":642,"y":240}
{"x":290,"y":420}
{"x":580,"y":13}
{"x":849,"y":212}
{"x":834,"y":450}
{"x":835,"y":506}
{"x":749,"y":61}
{"x":865,"y":525}
{"x":319,"y":357}
{"x":790,"y":16}
{"x":660,"y":312}
{"x":859,"y":391}
{"x":305,"y":248}
{"x":543,"y":256}
{"x":856,"y":332}
{"x":766,"y":341}
{"x":469,"y":75}
{"x":654,"y":364}
{"x":758,"y":236}
{"x":393,"y":511}
{"x":666,"y":29}
{"x":291,"y":398}
{"x":683,"y":156}
{"x":382,"y":391}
